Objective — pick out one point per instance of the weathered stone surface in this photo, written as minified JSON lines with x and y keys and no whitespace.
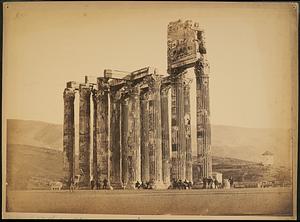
{"x":145,"y":136}
{"x":133,"y":138}
{"x":166,"y":158}
{"x":187,"y":124}
{"x":94,"y":164}
{"x":155,"y":142}
{"x":203,"y":113}
{"x":182,"y":46}
{"x":103,"y":155}
{"x":178,"y":130}
{"x":69,"y":136}
{"x":115,"y":138}
{"x":124,"y":141}
{"x":84,"y":133}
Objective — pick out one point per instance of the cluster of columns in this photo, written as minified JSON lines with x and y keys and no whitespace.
{"x":187,"y":51}
{"x":130,"y":136}
{"x":130,"y":130}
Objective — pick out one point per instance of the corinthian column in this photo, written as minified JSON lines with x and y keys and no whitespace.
{"x":178,"y":129}
{"x":95,"y":171}
{"x":115,"y":135}
{"x":103,"y":157}
{"x":124,"y":139}
{"x":133,"y":138}
{"x":69,"y":136}
{"x":203,"y":113}
{"x":144,"y":136}
{"x":84,"y":133}
{"x":155,"y":141}
{"x":187,"y":124}
{"x":165,"y":136}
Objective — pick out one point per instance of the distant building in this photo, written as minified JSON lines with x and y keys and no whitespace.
{"x":267,"y":158}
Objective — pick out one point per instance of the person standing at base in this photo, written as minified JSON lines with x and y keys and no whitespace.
{"x":105,"y":181}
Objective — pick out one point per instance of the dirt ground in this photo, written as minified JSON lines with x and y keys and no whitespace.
{"x":252,"y":201}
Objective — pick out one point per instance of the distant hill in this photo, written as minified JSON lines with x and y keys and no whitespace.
{"x":227,"y":141}
{"x":30,"y":167}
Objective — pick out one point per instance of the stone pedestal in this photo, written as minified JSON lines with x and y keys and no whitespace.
{"x":84,"y":134}
{"x":69,"y":136}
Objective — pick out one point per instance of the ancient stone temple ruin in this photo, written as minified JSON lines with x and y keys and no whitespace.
{"x":130,"y":139}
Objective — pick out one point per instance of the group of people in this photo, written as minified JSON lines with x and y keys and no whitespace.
{"x":144,"y":185}
{"x":181,"y":185}
{"x":99,"y":184}
{"x":211,"y":183}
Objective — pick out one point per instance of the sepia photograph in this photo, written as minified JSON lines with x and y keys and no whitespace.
{"x":150,"y":110}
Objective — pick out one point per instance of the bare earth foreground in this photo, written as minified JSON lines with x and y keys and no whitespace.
{"x":255,"y":201}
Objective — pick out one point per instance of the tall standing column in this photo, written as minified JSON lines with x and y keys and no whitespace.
{"x":124,"y":139}
{"x":103,"y":157}
{"x":155,"y":141}
{"x":133,"y":139}
{"x":84,"y":133}
{"x":95,"y":171}
{"x":144,"y":136}
{"x":165,"y":136}
{"x":69,"y":136}
{"x":187,"y":124}
{"x":178,"y":131}
{"x":203,"y":111}
{"x":115,"y":135}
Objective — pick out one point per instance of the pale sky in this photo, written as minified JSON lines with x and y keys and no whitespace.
{"x":250,"y":51}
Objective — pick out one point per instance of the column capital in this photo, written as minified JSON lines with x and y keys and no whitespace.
{"x":103,"y":84}
{"x":202,"y":67}
{"x":165,"y":90}
{"x":145,"y":94}
{"x":69,"y":94}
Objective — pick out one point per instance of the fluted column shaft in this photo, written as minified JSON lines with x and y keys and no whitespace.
{"x":115,"y":135}
{"x":133,"y":139}
{"x":145,"y":137}
{"x":95,"y":171}
{"x":69,"y":136}
{"x":155,"y":141}
{"x":165,"y":136}
{"x":178,"y":132}
{"x":187,"y":124}
{"x":84,"y":133}
{"x":203,"y":120}
{"x":103,"y":155}
{"x":124,"y":140}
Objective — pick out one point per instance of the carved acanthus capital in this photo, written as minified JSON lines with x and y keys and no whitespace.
{"x":84,"y":91}
{"x":165,"y":90}
{"x":201,"y":41}
{"x":69,"y":94}
{"x":103,"y":84}
{"x":145,"y":95}
{"x":116,"y":95}
{"x":154,"y":82}
{"x":202,"y":67}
